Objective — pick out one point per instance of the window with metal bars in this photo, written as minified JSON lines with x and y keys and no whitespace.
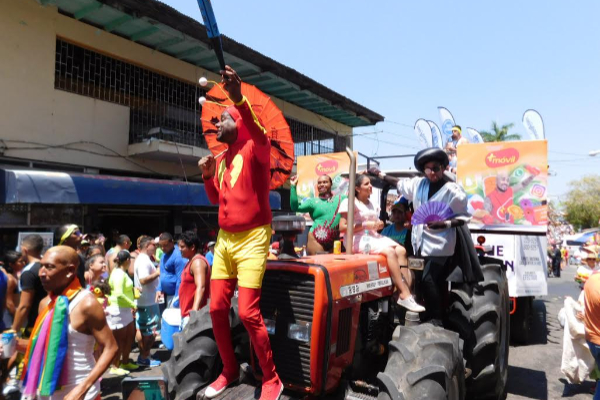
{"x":160,"y":107}
{"x":310,"y":140}
{"x":154,"y":100}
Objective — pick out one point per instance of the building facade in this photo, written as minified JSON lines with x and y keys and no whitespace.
{"x":101,"y":122}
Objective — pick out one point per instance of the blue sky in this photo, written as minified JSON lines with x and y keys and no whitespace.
{"x":485,"y":61}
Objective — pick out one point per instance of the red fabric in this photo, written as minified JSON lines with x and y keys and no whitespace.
{"x":244,"y":204}
{"x":187,"y":287}
{"x":249,"y":312}
{"x":500,"y":202}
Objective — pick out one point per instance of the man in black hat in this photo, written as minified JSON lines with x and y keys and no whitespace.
{"x":446,"y":246}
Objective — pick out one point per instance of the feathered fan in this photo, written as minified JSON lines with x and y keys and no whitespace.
{"x":430,"y":212}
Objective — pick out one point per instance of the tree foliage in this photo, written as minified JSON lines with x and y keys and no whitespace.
{"x":582,"y":207}
{"x":500,"y":133}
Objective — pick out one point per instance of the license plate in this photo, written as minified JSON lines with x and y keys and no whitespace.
{"x":416,"y":263}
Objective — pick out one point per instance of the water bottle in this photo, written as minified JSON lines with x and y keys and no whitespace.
{"x":367,"y":239}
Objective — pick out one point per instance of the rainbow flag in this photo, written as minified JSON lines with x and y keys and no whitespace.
{"x":47,"y":349}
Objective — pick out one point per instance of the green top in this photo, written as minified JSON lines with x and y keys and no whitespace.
{"x":158,"y":253}
{"x":321,"y":211}
{"x":121,"y":289}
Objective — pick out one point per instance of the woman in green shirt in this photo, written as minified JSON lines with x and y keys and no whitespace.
{"x":121,"y":309}
{"x":321,"y":209}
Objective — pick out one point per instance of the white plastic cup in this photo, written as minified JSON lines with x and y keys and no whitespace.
{"x":9,"y":344}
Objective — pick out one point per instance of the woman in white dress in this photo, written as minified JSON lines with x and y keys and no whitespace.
{"x":368,"y":241}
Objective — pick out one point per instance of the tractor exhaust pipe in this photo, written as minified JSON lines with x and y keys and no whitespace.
{"x":351,"y":197}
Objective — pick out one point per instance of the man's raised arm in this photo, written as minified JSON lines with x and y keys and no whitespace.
{"x":233,"y":85}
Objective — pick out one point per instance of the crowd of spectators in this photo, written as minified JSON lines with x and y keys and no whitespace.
{"x":133,"y":287}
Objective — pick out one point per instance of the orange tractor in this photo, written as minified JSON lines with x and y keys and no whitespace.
{"x":337,"y":333}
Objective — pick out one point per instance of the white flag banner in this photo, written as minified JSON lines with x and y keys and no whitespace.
{"x":447,"y":121}
{"x":474,"y":136}
{"x":423,"y":131}
{"x":534,"y":125}
{"x":436,"y":135}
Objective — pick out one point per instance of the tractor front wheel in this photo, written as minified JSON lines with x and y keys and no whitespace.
{"x":195,"y":360}
{"x":424,"y":363}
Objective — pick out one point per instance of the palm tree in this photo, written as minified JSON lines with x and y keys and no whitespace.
{"x":500,"y":133}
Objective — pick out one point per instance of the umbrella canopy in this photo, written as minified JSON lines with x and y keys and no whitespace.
{"x":269,"y":115}
{"x":584,"y":238}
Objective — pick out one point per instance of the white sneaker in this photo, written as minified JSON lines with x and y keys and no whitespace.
{"x":410,"y":304}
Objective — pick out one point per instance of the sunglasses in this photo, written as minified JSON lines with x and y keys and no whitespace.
{"x":436,"y":169}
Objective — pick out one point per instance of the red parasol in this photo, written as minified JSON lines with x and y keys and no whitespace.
{"x":270,"y":116}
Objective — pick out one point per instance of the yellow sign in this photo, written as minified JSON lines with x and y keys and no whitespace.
{"x":310,"y":168}
{"x":506,"y":182}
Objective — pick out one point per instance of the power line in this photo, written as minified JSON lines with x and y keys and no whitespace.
{"x":395,"y":134}
{"x":397,"y":123}
{"x":390,"y":143}
{"x":568,"y":154}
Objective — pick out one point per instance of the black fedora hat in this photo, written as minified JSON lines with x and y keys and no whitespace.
{"x":430,"y":154}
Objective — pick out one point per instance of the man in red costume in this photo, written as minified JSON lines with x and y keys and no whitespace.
{"x":239,"y":182}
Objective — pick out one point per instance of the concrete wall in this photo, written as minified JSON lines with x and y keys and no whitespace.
{"x":33,"y":111}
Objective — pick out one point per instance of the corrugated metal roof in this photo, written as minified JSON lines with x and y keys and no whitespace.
{"x":160,"y":27}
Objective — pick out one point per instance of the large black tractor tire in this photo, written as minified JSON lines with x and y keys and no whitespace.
{"x":520,"y":321}
{"x":195,"y":360}
{"x":480,"y":314}
{"x":424,"y":363}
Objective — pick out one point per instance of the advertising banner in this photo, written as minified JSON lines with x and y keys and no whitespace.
{"x":310,"y":168}
{"x":436,"y":135}
{"x":447,"y":121}
{"x":525,"y":259}
{"x":423,"y":132}
{"x":506,"y":184}
{"x":474,"y":136}
{"x":533,"y":123}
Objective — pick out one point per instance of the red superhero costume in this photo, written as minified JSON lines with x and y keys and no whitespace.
{"x":241,"y":188}
{"x":241,"y":183}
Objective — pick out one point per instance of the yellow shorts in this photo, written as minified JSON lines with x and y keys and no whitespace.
{"x":242,"y":255}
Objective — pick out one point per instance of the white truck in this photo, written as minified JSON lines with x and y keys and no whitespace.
{"x":506,"y":183}
{"x":524,"y":256}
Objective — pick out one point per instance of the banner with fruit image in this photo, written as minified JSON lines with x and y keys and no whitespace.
{"x":506,"y":183}
{"x":310,"y":168}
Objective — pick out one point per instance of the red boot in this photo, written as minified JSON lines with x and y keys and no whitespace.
{"x":251,"y":317}
{"x":220,"y":304}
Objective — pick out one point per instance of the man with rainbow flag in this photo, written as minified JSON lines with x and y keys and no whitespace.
{"x":59,"y":360}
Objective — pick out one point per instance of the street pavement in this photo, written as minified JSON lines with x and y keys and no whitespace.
{"x":534,"y":369}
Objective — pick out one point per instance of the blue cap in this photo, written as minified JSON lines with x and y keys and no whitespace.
{"x":401,"y":200}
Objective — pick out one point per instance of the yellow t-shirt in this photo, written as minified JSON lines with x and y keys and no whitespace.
{"x":121,"y":289}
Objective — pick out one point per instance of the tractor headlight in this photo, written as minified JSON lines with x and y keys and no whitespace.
{"x":300,"y":331}
{"x":270,"y":324}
